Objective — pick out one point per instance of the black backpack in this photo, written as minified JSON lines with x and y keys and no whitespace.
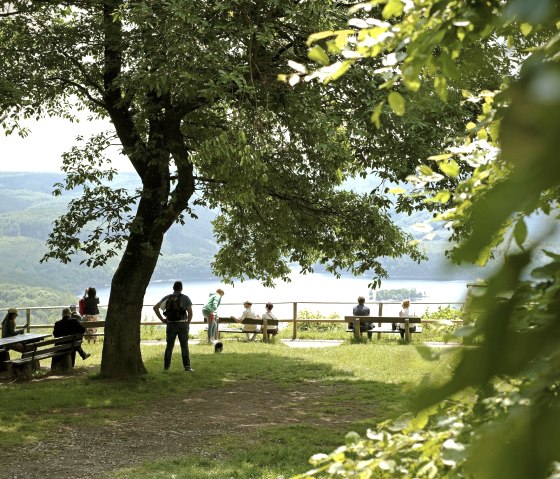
{"x":173,"y":310}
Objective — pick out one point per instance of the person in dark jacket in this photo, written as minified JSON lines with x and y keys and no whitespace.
{"x":362,"y":310}
{"x":67,"y":326}
{"x":75,"y":315}
{"x":91,"y":313}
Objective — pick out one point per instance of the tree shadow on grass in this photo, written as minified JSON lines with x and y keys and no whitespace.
{"x":242,"y":406}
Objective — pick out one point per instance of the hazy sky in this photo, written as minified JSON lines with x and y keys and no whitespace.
{"x":41,"y":150}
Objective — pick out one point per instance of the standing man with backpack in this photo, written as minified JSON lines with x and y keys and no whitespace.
{"x":177,"y":309}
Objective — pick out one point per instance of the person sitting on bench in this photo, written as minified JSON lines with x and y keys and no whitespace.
{"x":248,"y":328}
{"x":361,"y":310}
{"x":405,"y":311}
{"x":67,"y":326}
{"x":9,"y":330}
{"x":268,"y":315}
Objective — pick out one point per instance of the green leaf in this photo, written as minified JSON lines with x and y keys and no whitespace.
{"x":397,"y":103}
{"x":394,"y":8}
{"x":425,"y":170}
{"x":526,"y":29}
{"x":318,"y":55}
{"x":342,"y":68}
{"x":320,"y":36}
{"x":450,"y":168}
{"x":375,"y":116}
{"x":443,"y":156}
{"x":440,"y":85}
{"x":520,"y":232}
{"x":440,"y":197}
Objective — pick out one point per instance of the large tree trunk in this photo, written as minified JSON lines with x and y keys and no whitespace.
{"x":121,"y":348}
{"x":155,"y":215}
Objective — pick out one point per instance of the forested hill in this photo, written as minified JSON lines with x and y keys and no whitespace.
{"x":28,"y":209}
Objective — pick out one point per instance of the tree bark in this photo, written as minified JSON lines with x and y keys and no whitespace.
{"x":122,"y":356}
{"x":157,"y":211}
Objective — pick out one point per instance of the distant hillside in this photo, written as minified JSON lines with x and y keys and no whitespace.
{"x":27,"y":211}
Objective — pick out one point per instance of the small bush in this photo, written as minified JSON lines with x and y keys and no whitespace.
{"x":316,"y":330}
{"x":441,"y":331}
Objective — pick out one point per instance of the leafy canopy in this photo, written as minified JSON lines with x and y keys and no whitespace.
{"x":499,"y":416}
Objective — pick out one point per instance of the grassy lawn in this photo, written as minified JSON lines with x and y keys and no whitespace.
{"x":378,"y":377}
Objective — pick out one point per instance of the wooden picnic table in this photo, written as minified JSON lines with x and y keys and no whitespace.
{"x":25,"y":338}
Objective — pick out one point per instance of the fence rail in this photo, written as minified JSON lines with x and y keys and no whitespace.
{"x":296,"y":308}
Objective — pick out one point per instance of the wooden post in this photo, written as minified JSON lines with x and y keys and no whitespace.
{"x":357,"y":331}
{"x":294,"y":333}
{"x":407,"y":329}
{"x":380,"y":313}
{"x":28,"y":320}
{"x":265,"y":330}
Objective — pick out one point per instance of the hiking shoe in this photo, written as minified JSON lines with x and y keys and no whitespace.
{"x":87,"y":355}
{"x":189,"y":370}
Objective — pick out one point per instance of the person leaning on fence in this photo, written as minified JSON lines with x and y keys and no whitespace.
{"x":362,"y":310}
{"x":248,"y":328}
{"x":405,"y":311}
{"x":177,"y":309}
{"x":210,"y":315}
{"x":65,"y":327}
{"x":91,"y":313}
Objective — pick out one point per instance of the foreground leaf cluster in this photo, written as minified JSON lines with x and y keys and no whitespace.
{"x":500,"y":411}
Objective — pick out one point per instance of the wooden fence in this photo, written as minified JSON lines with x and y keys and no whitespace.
{"x":295,"y":307}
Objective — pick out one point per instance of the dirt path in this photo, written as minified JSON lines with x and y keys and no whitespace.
{"x":93,"y":453}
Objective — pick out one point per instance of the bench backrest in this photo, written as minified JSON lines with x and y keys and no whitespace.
{"x":63,"y":343}
{"x":382,"y":319}
{"x":258,"y":321}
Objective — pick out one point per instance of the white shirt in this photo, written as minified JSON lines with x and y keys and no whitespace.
{"x":248,"y":313}
{"x":404,"y":312}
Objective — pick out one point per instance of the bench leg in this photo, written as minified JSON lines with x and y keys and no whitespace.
{"x":21,"y":371}
{"x":62,"y":363}
{"x":357,"y":332}
{"x":407,"y":330}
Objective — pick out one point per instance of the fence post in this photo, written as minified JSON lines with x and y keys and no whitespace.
{"x":265,"y":330}
{"x":28,"y":320}
{"x":379,"y":313}
{"x":294,"y":313}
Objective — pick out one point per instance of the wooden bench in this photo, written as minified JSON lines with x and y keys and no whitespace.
{"x":92,"y":325}
{"x":59,"y":348}
{"x":263,"y":323}
{"x":383,"y":324}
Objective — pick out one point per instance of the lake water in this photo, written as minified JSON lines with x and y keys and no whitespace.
{"x":314,"y":292}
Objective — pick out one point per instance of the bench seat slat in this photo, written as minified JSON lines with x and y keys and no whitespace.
{"x":48,"y":349}
{"x":37,"y":357}
{"x":68,"y":346}
{"x":240,"y":331}
{"x":382,"y":319}
{"x":385,"y":330}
